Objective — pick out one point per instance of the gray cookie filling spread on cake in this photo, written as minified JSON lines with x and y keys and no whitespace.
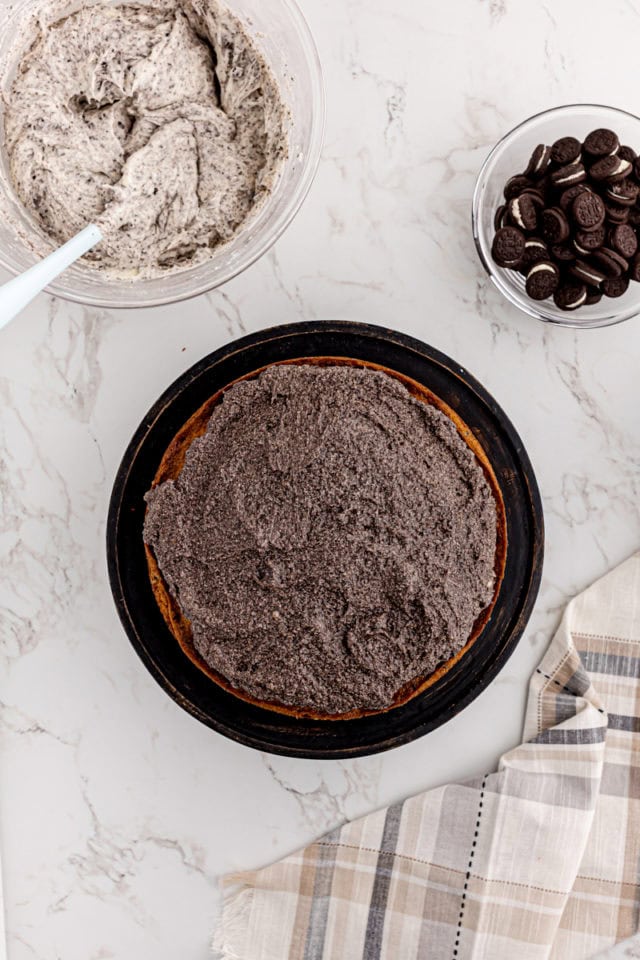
{"x":330,"y":538}
{"x":161,"y":122}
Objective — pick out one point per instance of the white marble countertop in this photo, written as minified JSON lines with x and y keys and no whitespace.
{"x":119,"y":811}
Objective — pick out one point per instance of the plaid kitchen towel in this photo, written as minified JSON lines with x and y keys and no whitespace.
{"x":538,"y":860}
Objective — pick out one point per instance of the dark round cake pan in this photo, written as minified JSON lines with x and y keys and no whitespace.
{"x":266,"y":729}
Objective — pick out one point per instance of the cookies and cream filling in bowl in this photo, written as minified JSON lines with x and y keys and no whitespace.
{"x":188,"y":130}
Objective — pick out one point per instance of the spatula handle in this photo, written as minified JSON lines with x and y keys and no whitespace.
{"x":17,"y":293}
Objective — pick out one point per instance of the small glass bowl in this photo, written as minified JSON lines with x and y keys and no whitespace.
{"x":282,"y":35}
{"x":510,"y":156}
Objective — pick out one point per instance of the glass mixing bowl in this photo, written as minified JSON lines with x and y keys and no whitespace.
{"x":282,"y":34}
{"x":510,"y":156}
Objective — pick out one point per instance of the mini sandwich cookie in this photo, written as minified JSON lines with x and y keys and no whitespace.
{"x":584,"y":271}
{"x":610,"y":169}
{"x":535,"y":250}
{"x":569,"y":176}
{"x":628,"y":153}
{"x":601,"y":143}
{"x":586,"y":241}
{"x":624,"y":241}
{"x":539,"y":161}
{"x":616,"y":213}
{"x":570,"y":296}
{"x":508,"y":247}
{"x":565,"y":150}
{"x":615,"y":286}
{"x":555,"y":226}
{"x":568,"y":196}
{"x":501,"y":218}
{"x":610,"y":262}
{"x":588,"y":211}
{"x":515,"y":185}
{"x":625,"y":193}
{"x":523,"y":212}
{"x":542,"y":280}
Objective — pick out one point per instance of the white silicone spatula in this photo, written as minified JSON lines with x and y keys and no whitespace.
{"x":17,"y":293}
